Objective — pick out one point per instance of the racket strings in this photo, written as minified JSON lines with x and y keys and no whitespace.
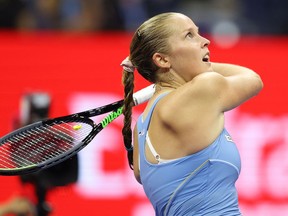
{"x":24,"y":152}
{"x":42,"y":143}
{"x":32,"y":144}
{"x":30,"y":148}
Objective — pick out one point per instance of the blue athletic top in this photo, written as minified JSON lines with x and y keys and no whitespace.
{"x":199,"y":184}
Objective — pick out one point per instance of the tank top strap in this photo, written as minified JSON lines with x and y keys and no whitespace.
{"x":143,"y":124}
{"x":146,"y":121}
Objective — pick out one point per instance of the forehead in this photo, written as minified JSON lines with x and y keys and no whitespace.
{"x":181,"y":23}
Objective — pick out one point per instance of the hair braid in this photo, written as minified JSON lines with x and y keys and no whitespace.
{"x":150,"y":37}
{"x":128,"y":82}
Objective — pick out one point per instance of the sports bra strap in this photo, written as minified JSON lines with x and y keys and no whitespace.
{"x":146,"y":123}
{"x":155,"y":154}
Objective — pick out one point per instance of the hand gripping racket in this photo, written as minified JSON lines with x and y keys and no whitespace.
{"x":46,"y":143}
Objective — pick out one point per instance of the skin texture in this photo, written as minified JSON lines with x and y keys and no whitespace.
{"x":191,"y":116}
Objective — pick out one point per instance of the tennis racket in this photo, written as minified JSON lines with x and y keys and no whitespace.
{"x":49,"y":142}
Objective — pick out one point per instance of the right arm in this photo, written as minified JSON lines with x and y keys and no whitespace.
{"x":227,"y":87}
{"x":239,"y":84}
{"x":136,"y":164}
{"x":195,"y":111}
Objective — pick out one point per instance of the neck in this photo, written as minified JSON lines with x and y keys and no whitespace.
{"x":169,"y":81}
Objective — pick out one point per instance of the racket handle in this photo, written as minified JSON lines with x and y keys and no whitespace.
{"x":144,"y":94}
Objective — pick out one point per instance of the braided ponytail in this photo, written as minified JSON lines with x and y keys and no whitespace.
{"x":150,"y":37}
{"x":128,"y":82}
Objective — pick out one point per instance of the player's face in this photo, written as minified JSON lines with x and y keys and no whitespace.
{"x":189,"y":54}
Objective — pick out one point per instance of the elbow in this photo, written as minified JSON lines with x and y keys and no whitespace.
{"x":258,"y":84}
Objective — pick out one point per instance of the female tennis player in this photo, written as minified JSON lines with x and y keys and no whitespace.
{"x":182,"y":153}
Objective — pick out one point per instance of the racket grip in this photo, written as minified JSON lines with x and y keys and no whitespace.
{"x":144,"y":94}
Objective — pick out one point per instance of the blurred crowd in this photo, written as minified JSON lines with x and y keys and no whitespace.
{"x":79,"y":15}
{"x":247,"y":16}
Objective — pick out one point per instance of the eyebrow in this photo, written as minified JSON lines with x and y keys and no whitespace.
{"x":193,"y":29}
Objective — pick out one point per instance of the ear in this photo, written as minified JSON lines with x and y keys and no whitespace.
{"x":161,"y":60}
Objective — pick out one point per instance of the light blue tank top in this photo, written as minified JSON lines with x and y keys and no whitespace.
{"x":199,"y":184}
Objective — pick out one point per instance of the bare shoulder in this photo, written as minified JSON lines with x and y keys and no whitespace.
{"x":203,"y":90}
{"x":194,"y":103}
{"x":205,"y":82}
{"x":190,"y":112}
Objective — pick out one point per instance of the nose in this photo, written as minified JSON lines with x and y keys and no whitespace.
{"x":205,"y":42}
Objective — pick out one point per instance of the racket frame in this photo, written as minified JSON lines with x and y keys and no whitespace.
{"x":114,"y":109}
{"x":84,"y":116}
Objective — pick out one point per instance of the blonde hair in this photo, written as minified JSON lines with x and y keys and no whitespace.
{"x":151,"y":37}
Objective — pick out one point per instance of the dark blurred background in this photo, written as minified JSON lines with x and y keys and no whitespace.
{"x":213,"y":16}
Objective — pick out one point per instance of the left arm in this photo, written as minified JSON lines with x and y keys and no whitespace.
{"x":136,"y":156}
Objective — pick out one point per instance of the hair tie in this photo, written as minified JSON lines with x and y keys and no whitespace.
{"x":127,"y":65}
